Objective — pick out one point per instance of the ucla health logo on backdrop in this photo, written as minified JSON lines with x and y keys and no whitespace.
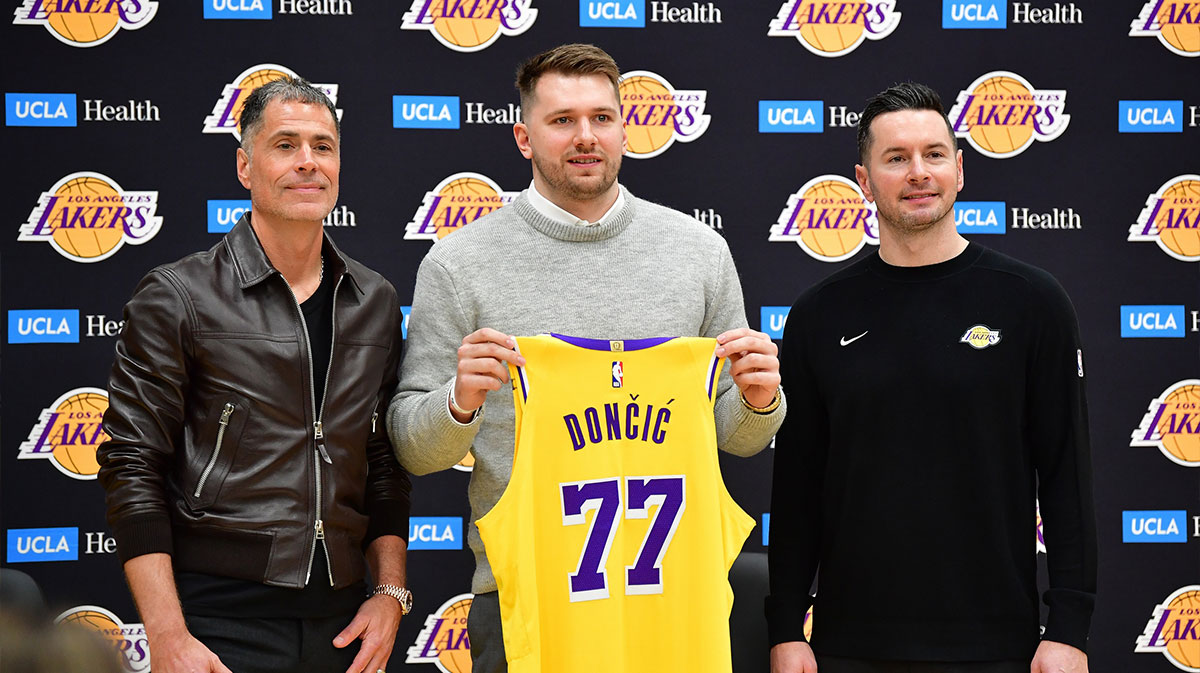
{"x":85,"y":23}
{"x":454,"y":203}
{"x":39,"y":109}
{"x":1139,"y":321}
{"x":425,"y":112}
{"x":443,"y":641}
{"x":1154,"y":526}
{"x":1174,"y":629}
{"x":1150,"y":116}
{"x":1001,"y":114}
{"x":1175,"y":23}
{"x":30,"y":545}
{"x":791,"y":116}
{"x":435,"y":532}
{"x":657,"y":114}
{"x":632,"y":13}
{"x":974,"y":14}
{"x":227,"y":112}
{"x":51,"y":326}
{"x":68,"y":432}
{"x":1171,"y":218}
{"x":772,"y":320}
{"x":835,"y":27}
{"x":128,"y":639}
{"x":261,"y":9}
{"x":1172,"y":424}
{"x":829,"y":218}
{"x":469,"y":25}
{"x":980,"y":217}
{"x":87,"y":217}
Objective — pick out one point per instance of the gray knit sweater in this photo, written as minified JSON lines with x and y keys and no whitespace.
{"x":649,"y":271}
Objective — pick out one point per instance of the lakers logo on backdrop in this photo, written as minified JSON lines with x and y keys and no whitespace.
{"x":87,"y":217}
{"x":657,"y":114}
{"x":828,"y":218}
{"x":468,"y":26}
{"x":443,"y":640}
{"x":454,"y":203}
{"x":1172,"y":424}
{"x":128,"y":639}
{"x":1174,"y":629}
{"x":227,"y":112}
{"x":834,"y":27}
{"x":1001,"y":114}
{"x":1171,"y":218}
{"x":68,"y":432}
{"x":85,"y":23}
{"x":1176,"y":25}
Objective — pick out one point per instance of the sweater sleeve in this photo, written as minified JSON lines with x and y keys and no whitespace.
{"x":426,"y":437}
{"x":1058,"y":428}
{"x":801,"y":447}
{"x":740,"y":431}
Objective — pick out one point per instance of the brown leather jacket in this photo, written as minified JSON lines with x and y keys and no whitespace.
{"x":217,"y":455}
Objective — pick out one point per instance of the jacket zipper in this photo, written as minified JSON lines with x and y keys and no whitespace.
{"x":212,"y":461}
{"x":318,"y":428}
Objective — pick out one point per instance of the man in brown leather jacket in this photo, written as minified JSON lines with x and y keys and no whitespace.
{"x":248,"y":469}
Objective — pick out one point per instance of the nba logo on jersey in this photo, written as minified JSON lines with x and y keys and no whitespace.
{"x":618,"y":373}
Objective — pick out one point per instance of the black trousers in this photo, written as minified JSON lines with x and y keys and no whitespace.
{"x":483,"y":630}
{"x":826,"y":664}
{"x":282,"y":645}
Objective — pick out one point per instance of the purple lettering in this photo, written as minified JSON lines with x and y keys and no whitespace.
{"x":660,"y":433}
{"x":575,"y":431}
{"x":1154,"y":424}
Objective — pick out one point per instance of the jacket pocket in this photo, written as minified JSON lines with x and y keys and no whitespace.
{"x":225,"y":423}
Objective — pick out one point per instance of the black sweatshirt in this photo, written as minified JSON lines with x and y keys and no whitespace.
{"x":928,"y":407}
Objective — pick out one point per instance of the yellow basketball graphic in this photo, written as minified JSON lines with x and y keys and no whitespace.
{"x":77,"y":432}
{"x":251,"y":82}
{"x":1172,"y":629}
{"x":1181,"y":197}
{"x":456,"y":660}
{"x":1183,"y":401}
{"x":840,"y":241}
{"x":455,"y":202}
{"x":84,"y":28}
{"x":1181,"y":34}
{"x":85,"y":242}
{"x":443,"y":641}
{"x":829,"y":218}
{"x":1170,"y":424}
{"x":95,"y":620}
{"x":469,"y":196}
{"x":642,"y":90}
{"x":1007,"y":138}
{"x":69,"y":431}
{"x":830,"y":37}
{"x":466,"y":32}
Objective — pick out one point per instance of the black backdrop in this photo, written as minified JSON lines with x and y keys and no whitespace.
{"x":736,"y":177}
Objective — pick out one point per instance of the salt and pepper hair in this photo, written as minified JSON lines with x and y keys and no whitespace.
{"x":285,"y":90}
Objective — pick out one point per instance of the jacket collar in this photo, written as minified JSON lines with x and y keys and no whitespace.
{"x":253,"y":266}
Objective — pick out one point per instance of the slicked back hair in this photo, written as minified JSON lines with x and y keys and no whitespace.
{"x":568,"y":59}
{"x":284,"y":90}
{"x":903,"y":96}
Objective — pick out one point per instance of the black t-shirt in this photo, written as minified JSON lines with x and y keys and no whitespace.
{"x":213,"y":595}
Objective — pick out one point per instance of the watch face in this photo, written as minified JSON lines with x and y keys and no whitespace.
{"x":406,"y":602}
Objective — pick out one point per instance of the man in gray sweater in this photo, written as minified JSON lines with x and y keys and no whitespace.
{"x":574,"y":254}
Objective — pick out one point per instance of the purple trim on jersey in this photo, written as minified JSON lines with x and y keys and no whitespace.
{"x":712,"y":373}
{"x":606,"y":345}
{"x":521,"y":377}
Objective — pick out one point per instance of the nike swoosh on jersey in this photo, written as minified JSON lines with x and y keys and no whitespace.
{"x":846,"y":342}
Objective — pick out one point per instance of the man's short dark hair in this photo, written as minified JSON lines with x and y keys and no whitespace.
{"x":286,"y":89}
{"x":568,"y":59}
{"x":903,"y":96}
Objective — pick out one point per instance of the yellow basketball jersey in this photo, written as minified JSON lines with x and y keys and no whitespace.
{"x":612,"y":543}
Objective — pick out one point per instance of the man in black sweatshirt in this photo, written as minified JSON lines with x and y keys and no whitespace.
{"x":936,"y":394}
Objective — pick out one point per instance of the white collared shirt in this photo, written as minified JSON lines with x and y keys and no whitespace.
{"x":550,"y":210}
